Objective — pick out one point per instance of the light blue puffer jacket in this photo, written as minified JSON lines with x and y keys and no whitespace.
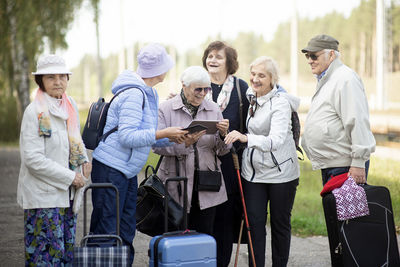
{"x":128,"y":148}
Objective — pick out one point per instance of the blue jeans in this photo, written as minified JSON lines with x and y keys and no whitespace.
{"x":329,"y":172}
{"x":103,"y":220}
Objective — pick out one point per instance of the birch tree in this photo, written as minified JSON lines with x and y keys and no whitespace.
{"x":26,"y":26}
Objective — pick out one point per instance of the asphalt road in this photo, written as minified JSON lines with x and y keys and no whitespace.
{"x":311,"y":251}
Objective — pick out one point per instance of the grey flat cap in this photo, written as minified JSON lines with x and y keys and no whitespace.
{"x":320,"y":42}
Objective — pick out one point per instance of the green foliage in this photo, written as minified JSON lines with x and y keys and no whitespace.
{"x":308,"y":215}
{"x":152,"y":160}
{"x":385,"y":172}
{"x":25,"y":28}
{"x":9,"y":126}
{"x":82,"y":117}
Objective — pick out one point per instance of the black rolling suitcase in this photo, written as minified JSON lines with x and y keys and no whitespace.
{"x":364,"y":241}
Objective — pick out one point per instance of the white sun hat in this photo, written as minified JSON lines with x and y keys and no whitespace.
{"x":51,"y":64}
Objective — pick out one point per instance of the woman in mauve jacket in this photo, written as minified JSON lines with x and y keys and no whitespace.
{"x":198,"y":148}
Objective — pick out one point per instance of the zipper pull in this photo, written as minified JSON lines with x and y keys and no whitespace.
{"x":338,"y":249}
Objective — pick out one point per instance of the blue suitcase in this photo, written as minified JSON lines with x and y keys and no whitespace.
{"x":182,"y":248}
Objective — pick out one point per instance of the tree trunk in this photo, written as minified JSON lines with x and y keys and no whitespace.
{"x":363,"y":56}
{"x":20,"y":63}
{"x":98,"y":58}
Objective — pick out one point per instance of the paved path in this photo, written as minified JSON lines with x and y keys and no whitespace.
{"x":311,"y":251}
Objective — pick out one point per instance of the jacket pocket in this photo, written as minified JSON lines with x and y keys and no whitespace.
{"x":39,"y":186}
{"x":262,"y":159}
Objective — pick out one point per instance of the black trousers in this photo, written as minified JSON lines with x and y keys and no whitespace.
{"x":201,"y":220}
{"x":226,"y":228}
{"x":280,"y":198}
{"x":228,"y":214}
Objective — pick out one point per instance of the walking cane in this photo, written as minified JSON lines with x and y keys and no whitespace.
{"x":238,"y":243}
{"x":237,"y":167}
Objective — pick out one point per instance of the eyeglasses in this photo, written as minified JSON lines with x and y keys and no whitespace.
{"x":253,"y":106}
{"x":313,"y":56}
{"x":200,"y":89}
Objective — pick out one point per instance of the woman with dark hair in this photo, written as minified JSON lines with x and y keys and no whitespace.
{"x":53,"y":165}
{"x":229,"y":92}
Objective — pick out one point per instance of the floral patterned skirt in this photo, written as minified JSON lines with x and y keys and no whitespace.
{"x":49,"y":236}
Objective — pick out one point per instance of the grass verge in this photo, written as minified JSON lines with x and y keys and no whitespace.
{"x":308,"y":215}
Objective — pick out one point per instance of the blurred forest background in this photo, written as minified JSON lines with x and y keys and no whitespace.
{"x":26,"y":26}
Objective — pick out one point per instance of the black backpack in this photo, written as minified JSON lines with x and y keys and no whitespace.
{"x":296,"y":132}
{"x":96,"y":120}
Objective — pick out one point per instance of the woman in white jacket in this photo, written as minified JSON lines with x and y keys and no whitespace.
{"x":270,"y":169}
{"x":52,"y":155}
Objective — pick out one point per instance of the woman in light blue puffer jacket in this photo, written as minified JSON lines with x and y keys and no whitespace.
{"x":122,"y":155}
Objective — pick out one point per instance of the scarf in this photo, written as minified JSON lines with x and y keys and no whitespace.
{"x":225,"y":93}
{"x":192,"y":109}
{"x":64,"y":110}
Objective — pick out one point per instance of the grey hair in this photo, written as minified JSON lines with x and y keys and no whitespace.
{"x":337,"y":53}
{"x":270,"y":66}
{"x":195,"y":74}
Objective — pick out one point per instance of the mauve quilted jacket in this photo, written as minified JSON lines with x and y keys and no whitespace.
{"x":173,"y":113}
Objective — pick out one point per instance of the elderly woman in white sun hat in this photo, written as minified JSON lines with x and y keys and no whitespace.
{"x":53,"y":164}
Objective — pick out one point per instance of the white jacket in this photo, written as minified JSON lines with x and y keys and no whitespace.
{"x":44,"y":177}
{"x":337,"y":131}
{"x":270,"y":131}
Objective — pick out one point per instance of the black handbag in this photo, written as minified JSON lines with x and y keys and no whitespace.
{"x":150,"y":207}
{"x":208,"y":180}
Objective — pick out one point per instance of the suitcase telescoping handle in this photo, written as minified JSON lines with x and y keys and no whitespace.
{"x":185,"y":200}
{"x":100,"y":185}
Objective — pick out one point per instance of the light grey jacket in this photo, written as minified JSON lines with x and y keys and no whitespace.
{"x":337,"y":131}
{"x":173,"y":113}
{"x":270,"y":131}
{"x":44,"y":178}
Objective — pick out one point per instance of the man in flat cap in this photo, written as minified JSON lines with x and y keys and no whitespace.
{"x":337,"y":137}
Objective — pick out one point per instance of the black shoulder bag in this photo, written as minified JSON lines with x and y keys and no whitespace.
{"x":150,"y":205}
{"x":207,"y":180}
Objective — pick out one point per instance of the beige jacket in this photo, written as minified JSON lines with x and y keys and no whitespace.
{"x":44,"y":177}
{"x":337,"y":131}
